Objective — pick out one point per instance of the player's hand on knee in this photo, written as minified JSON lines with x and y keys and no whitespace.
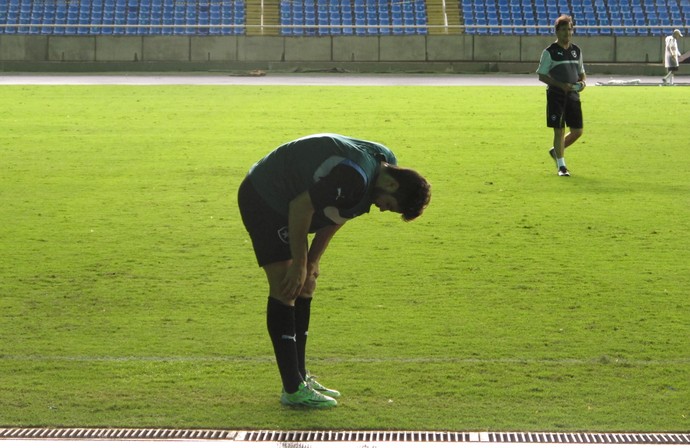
{"x":294,"y":280}
{"x":310,"y":282}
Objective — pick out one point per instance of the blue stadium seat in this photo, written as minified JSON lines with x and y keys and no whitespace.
{"x":384,"y":22}
{"x":519,"y":26}
{"x":132,"y":20}
{"x":297,"y":21}
{"x":3,"y":14}
{"x":203,"y":20}
{"x":12,"y":17}
{"x":528,"y":14}
{"x":335,"y":20}
{"x":372,"y":22}
{"x":397,"y":22}
{"x":409,"y":22}
{"x":167,"y":21}
{"x":347,"y":23}
{"x":156,"y":22}
{"x":192,"y":17}
{"x":360,"y":24}
{"x":421,"y":23}
{"x":545,"y":29}
{"x":309,"y":25}
{"x":591,"y":25}
{"x":482,"y":24}
{"x":47,"y":19}
{"x":108,"y":21}
{"x":24,"y":20}
{"x":605,"y":24}
{"x":493,"y":22}
{"x":615,"y":23}
{"x":629,"y":27}
{"x":215,"y":21}
{"x":72,"y":19}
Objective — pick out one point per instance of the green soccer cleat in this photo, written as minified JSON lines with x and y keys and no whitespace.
{"x":311,"y":381}
{"x":307,"y":397}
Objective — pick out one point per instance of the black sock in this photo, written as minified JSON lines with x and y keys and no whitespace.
{"x":302,"y":314}
{"x":280,"y":320}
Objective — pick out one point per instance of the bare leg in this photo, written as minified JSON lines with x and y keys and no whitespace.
{"x":559,"y":142}
{"x":275,"y":273}
{"x":571,"y":137}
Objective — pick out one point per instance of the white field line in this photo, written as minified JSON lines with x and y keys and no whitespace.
{"x":342,"y":360}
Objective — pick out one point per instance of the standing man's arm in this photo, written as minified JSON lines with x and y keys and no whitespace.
{"x":546,"y":79}
{"x":582,"y":78}
{"x":318,"y":246}
{"x":299,"y":220}
{"x":320,"y":242}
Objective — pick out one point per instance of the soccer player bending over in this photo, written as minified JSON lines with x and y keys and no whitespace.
{"x":314,"y":185}
{"x":562,"y":70}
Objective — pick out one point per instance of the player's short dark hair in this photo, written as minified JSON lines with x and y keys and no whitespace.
{"x":562,"y":20}
{"x":413,"y":193}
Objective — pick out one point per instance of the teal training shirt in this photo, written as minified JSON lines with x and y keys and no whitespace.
{"x":338,"y":171}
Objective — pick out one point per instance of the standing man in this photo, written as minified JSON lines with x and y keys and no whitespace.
{"x":562,"y":70}
{"x":314,"y":185}
{"x":671,"y":56}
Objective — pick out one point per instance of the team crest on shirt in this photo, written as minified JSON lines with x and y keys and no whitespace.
{"x":574,"y":53}
{"x":284,"y":235}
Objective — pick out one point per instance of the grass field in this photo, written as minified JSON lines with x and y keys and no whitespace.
{"x":519,"y":301}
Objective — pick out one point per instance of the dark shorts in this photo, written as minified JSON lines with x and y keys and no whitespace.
{"x":267,"y":228}
{"x":562,"y":110}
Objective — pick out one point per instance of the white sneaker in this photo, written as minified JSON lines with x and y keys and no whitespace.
{"x":563,"y":171}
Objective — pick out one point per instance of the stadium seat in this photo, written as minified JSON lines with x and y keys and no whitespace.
{"x":616,"y":24}
{"x":605,"y":27}
{"x":397,"y":23}
{"x":203,"y":17}
{"x":360,"y":24}
{"x":629,"y":27}
{"x":336,"y":22}
{"x":309,"y":25}
{"x":482,"y":24}
{"x":592,"y":25}
{"x":519,"y":27}
{"x":346,"y":19}
{"x":493,"y":23}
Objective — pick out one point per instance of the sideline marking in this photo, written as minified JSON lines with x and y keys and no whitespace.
{"x":338,"y":360}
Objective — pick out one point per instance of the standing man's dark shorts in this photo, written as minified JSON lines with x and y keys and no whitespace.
{"x":267,"y":228}
{"x":562,"y":110}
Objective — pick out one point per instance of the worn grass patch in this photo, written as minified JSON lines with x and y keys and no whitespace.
{"x":519,"y":301}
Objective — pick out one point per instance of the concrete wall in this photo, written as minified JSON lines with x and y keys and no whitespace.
{"x":435,"y":53}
